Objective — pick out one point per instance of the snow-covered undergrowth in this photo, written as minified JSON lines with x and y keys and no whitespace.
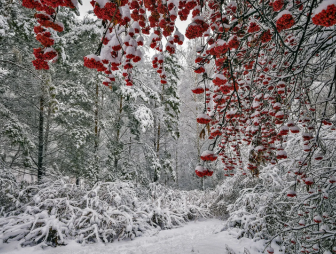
{"x":58,"y":211}
{"x":200,"y":236}
{"x":291,"y":204}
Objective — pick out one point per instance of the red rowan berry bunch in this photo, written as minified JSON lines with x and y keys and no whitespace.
{"x":46,"y":18}
{"x":277,"y":5}
{"x":325,"y":14}
{"x":285,"y":21}
{"x":253,"y":28}
{"x":250,"y":105}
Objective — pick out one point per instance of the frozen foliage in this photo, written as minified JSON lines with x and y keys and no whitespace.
{"x":227,"y":193}
{"x":144,"y":116}
{"x":266,"y":208}
{"x":57,"y":211}
{"x":3,"y":26}
{"x":8,"y":188}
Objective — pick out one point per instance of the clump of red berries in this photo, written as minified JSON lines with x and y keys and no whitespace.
{"x":266,"y":36}
{"x":286,"y":21}
{"x":277,"y":5}
{"x":253,"y":28}
{"x":326,"y":17}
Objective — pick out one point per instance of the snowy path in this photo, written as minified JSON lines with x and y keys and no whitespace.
{"x":196,"y":237}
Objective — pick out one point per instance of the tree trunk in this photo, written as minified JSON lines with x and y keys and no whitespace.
{"x":154,"y":128}
{"x":96,"y":135}
{"x":40,"y":169}
{"x":198,"y":135}
{"x":158,"y":139}
{"x":156,"y":176}
{"x":46,"y":138}
{"x":116,"y":163}
{"x":96,"y":119}
{"x":176,"y":169}
{"x":116,"y":159}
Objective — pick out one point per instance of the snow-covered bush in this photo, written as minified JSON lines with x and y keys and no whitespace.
{"x":172,"y":208}
{"x":293,"y":202}
{"x":57,"y":210}
{"x":8,"y":187}
{"x":228,"y":192}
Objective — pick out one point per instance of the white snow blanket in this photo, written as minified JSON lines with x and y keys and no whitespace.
{"x":202,"y":237}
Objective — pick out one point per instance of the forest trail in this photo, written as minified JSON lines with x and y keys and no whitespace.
{"x":199,"y":237}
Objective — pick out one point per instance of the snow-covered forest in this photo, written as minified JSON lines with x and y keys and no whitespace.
{"x":168,"y":126}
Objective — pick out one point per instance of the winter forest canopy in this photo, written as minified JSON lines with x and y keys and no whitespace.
{"x":117,"y":122}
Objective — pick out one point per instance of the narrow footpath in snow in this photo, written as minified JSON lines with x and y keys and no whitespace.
{"x":203,"y":237}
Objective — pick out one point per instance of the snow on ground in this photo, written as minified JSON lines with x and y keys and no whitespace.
{"x":201,"y":237}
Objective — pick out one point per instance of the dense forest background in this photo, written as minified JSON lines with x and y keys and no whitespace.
{"x":65,"y":120}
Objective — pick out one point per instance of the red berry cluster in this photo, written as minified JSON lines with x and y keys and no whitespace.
{"x":93,"y":62}
{"x":219,"y":80}
{"x":277,"y":5}
{"x":157,"y":62}
{"x":129,"y":13}
{"x":45,"y":18}
{"x":234,"y":43}
{"x":201,"y":171}
{"x":220,"y":49}
{"x":203,"y":119}
{"x":57,"y":3}
{"x":53,"y":25}
{"x":45,"y":55}
{"x":286,"y":21}
{"x":108,"y":12}
{"x":208,"y":156}
{"x":45,"y":39}
{"x":200,"y":70}
{"x":253,"y":28}
{"x":40,"y":64}
{"x":196,"y":29}
{"x":170,"y":48}
{"x":326,"y":17}
{"x":198,"y":90}
{"x":266,"y":36}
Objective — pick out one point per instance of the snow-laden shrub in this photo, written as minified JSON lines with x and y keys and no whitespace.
{"x":173,"y":207}
{"x":56,"y":211}
{"x":8,"y":187}
{"x":292,"y":204}
{"x":227,"y":193}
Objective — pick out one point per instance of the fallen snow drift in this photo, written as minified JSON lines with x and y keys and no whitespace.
{"x":203,"y":237}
